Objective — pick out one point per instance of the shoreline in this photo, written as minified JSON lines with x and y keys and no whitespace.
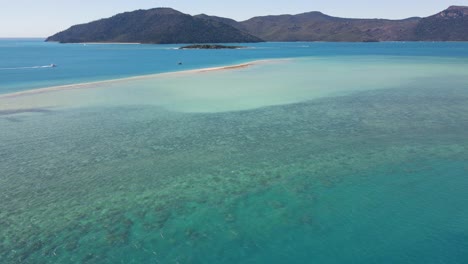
{"x":138,"y":77}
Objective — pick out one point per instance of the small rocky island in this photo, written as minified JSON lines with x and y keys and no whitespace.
{"x":211,"y":46}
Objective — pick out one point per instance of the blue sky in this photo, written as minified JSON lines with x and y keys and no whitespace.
{"x":41,"y":18}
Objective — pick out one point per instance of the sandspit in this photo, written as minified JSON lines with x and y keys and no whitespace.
{"x":140,"y":77}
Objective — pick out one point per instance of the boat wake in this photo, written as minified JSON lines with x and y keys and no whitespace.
{"x":31,"y":67}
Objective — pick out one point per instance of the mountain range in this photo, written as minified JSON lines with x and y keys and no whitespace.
{"x":166,"y":26}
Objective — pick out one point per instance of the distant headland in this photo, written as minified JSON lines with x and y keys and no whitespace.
{"x":169,"y":26}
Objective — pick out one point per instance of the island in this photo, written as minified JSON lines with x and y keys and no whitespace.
{"x":211,"y":46}
{"x":169,"y":26}
{"x":154,"y":26}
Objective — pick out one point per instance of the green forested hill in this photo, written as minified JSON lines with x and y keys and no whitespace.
{"x":165,"y":25}
{"x":159,"y":25}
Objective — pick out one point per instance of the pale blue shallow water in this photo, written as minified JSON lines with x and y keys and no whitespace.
{"x":347,"y":153}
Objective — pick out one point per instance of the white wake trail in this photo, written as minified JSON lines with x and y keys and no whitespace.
{"x":31,"y":67}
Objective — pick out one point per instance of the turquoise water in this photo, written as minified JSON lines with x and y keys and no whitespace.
{"x":22,"y":60}
{"x":354,"y":156}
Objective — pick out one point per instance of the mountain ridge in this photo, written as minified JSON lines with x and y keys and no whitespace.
{"x":166,"y":25}
{"x":157,"y":25}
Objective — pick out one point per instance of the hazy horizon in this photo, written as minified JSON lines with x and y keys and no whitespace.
{"x":42,"y":19}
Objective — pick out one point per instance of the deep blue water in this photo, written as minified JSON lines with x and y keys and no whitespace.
{"x":21,"y":59}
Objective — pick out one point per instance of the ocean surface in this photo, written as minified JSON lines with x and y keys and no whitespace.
{"x":315,"y":153}
{"x":25,"y":63}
